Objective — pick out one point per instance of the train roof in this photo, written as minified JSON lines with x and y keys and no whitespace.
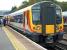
{"x":19,"y":11}
{"x":24,"y":9}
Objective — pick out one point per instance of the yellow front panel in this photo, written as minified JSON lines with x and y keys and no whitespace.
{"x":49,"y":29}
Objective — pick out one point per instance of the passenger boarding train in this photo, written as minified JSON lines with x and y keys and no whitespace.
{"x":43,"y":21}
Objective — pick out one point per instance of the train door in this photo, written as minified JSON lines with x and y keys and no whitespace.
{"x":48,"y":20}
{"x":23,"y":20}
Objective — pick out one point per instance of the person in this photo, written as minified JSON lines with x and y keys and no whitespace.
{"x":0,"y":21}
{"x":4,"y":22}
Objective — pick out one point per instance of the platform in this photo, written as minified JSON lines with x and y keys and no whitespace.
{"x":12,"y":40}
{"x":5,"y":43}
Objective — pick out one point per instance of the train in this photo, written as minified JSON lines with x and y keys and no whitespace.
{"x":42,"y":21}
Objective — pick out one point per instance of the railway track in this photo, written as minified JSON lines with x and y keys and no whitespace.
{"x":56,"y":46}
{"x":60,"y":46}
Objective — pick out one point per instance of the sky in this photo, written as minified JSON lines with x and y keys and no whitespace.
{"x":8,"y":4}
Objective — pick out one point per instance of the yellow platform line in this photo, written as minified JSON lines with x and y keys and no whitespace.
{"x":17,"y":44}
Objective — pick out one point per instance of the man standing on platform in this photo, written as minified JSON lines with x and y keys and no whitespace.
{"x":4,"y":22}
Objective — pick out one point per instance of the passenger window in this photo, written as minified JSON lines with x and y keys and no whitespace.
{"x":18,"y":18}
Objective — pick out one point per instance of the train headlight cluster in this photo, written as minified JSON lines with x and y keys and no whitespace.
{"x":57,"y":28}
{"x":61,"y":29}
{"x":37,"y":28}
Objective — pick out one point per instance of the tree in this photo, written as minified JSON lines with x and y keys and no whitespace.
{"x":63,"y":5}
{"x":13,"y":9}
{"x":24,"y":4}
{"x":34,"y":1}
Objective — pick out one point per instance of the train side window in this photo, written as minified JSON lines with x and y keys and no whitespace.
{"x":18,"y":18}
{"x":22,"y":17}
{"x":12,"y":19}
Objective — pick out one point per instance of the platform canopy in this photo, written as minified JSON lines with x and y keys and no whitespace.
{"x":64,"y":13}
{"x":4,"y":12}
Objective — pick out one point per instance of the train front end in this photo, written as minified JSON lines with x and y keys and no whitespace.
{"x":47,"y":21}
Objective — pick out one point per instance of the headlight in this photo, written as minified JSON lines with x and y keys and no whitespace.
{"x":57,"y":28}
{"x":61,"y":29}
{"x":37,"y":28}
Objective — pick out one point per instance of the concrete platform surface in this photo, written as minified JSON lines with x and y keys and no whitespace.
{"x":12,"y":40}
{"x":5,"y":43}
{"x":28,"y":44}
